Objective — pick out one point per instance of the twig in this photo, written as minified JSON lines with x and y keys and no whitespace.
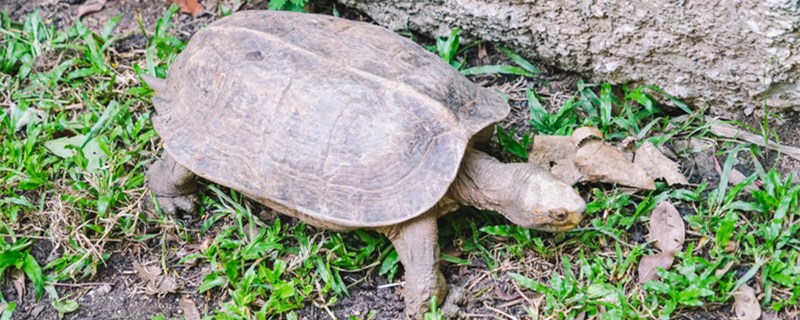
{"x":83,"y":284}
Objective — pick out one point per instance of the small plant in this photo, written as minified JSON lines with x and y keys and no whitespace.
{"x":511,"y":146}
{"x":288,"y":5}
{"x":562,"y":123}
{"x":449,"y":50}
{"x":18,"y":256}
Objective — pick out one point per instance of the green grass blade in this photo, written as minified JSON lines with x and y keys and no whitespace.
{"x":520,"y":61}
{"x":492,"y":69}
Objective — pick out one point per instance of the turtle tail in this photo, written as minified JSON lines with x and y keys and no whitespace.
{"x":160,"y":87}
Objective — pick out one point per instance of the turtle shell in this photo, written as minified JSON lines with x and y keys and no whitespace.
{"x":345,"y":122}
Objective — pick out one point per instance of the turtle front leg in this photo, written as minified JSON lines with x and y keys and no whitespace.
{"x":416,"y":242}
{"x":173,"y":185}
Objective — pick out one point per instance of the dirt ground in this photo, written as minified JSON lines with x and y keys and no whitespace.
{"x":115,"y":292}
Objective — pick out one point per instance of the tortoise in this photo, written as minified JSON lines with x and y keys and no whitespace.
{"x":343,"y":125}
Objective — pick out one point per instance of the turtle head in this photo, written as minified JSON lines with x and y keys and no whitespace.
{"x":544,"y":203}
{"x":527,"y":195}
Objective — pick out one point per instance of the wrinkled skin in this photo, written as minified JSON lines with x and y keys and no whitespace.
{"x":528,"y":196}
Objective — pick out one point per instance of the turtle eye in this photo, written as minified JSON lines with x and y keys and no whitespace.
{"x":559,"y":214}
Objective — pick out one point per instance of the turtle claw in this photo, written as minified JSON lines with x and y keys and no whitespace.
{"x":456,"y":297}
{"x":185,"y":203}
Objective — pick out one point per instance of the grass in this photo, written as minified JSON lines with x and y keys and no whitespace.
{"x":75,"y":179}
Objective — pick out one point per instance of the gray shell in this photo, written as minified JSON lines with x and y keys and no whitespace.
{"x":341,"y":121}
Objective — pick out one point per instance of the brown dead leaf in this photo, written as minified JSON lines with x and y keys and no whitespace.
{"x":745,"y":303}
{"x":769,"y":315}
{"x":191,"y":7}
{"x":582,"y":133}
{"x":557,"y":155}
{"x":732,"y":246}
{"x":600,"y":162}
{"x":667,"y":228}
{"x":189,"y":308}
{"x":658,"y":166}
{"x":18,"y":279}
{"x":90,"y":6}
{"x":154,"y":281}
{"x":724,"y":270}
{"x":648,"y":265}
{"x":737,"y":177}
{"x":103,"y":289}
{"x":628,"y":147}
{"x":28,"y":117}
{"x":482,"y":54}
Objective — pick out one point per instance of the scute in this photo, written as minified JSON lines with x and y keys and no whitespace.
{"x":341,"y":121}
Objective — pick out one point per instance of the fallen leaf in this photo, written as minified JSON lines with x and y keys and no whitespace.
{"x":628,"y":147}
{"x":18,"y":279}
{"x":103,"y":289}
{"x":737,"y":177}
{"x":658,"y":166}
{"x":745,"y":303}
{"x":557,"y":155}
{"x":154,"y":281}
{"x":732,"y":246}
{"x":23,"y":118}
{"x":667,"y":228}
{"x":65,"y":148}
{"x":600,"y":162}
{"x":191,"y":7}
{"x":90,"y":6}
{"x":769,"y":315}
{"x":724,"y":270}
{"x":582,"y":133}
{"x":189,"y":308}
{"x":482,"y":55}
{"x":648,"y":265}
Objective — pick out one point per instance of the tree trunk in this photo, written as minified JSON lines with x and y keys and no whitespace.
{"x":729,"y":55}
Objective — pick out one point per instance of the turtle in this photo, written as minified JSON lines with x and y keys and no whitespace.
{"x":343,"y":125}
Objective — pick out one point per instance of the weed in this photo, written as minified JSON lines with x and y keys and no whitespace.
{"x":288,"y":5}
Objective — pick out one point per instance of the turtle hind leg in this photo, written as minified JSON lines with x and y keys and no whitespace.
{"x":175,"y":186}
{"x":417,"y":245}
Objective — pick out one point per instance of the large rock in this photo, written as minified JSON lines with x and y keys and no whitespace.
{"x":730,"y":55}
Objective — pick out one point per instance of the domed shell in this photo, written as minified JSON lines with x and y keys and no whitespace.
{"x":344,"y":122}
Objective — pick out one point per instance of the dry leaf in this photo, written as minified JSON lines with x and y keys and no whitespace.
{"x":602,"y":163}
{"x":557,"y":155}
{"x":658,"y":166}
{"x":582,"y":133}
{"x":736,"y":177}
{"x":191,"y":7}
{"x":745,"y":303}
{"x":189,"y":308}
{"x":648,"y":265}
{"x":18,"y":279}
{"x":90,"y":6}
{"x":724,"y":270}
{"x":769,"y":315}
{"x":29,"y":116}
{"x":732,"y":246}
{"x":103,"y":290}
{"x":154,"y":281}
{"x":628,"y":147}
{"x":667,"y":228}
